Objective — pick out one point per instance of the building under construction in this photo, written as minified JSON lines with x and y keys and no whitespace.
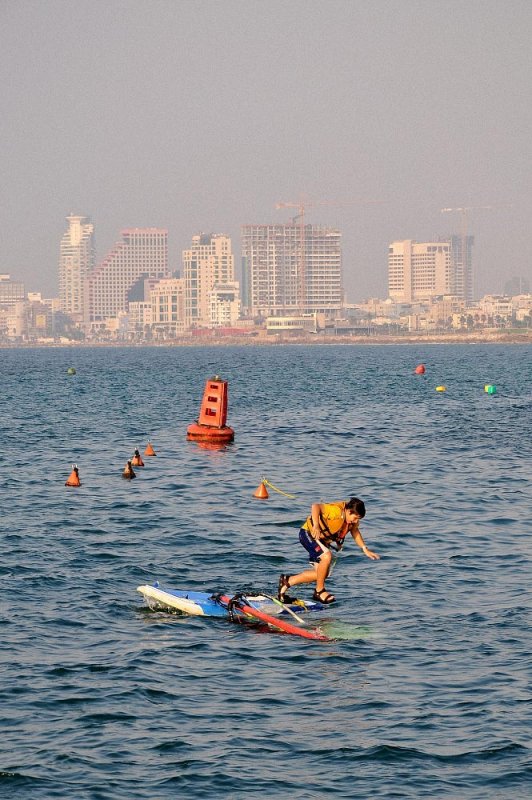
{"x":291,"y":269}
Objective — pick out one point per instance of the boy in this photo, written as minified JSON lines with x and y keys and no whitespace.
{"x":328,"y":524}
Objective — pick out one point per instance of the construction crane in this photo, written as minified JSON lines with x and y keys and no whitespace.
{"x":464,"y":214}
{"x":299,"y":219}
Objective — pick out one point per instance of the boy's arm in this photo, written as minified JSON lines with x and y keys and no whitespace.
{"x":357,"y":536}
{"x":315,"y":512}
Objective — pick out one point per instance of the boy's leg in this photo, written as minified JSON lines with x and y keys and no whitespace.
{"x":317,"y":572}
{"x":320,"y":563}
{"x":322,"y":570}
{"x":307,"y":576}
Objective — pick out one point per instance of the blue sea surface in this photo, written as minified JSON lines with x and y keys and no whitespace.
{"x":424,"y":691}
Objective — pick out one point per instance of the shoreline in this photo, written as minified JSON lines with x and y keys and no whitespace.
{"x":276,"y":340}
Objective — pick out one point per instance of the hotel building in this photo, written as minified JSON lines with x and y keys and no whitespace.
{"x":141,"y":252}
{"x":289,"y":268}
{"x":420,"y":271}
{"x":76,"y":261}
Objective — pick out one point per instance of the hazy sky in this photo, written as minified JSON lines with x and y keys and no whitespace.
{"x":200,"y":115}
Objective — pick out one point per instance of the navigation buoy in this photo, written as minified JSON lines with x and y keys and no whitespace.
{"x":210,"y":426}
{"x":441,"y":388}
{"x":73,"y":478}
{"x":137,"y":460}
{"x":71,"y":371}
{"x":261,"y":492}
{"x":489,"y":388}
{"x":149,"y":451}
{"x":420,"y":369}
{"x":128,"y":472}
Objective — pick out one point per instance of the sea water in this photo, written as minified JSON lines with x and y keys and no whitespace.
{"x":425,"y":692}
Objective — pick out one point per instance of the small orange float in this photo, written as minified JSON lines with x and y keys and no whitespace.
{"x":420,"y":369}
{"x":73,"y":478}
{"x":137,"y":459}
{"x":149,"y":451}
{"x":261,"y":492}
{"x":210,"y":426}
{"x":128,"y":473}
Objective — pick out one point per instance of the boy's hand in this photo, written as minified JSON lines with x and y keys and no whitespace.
{"x":370,"y":554}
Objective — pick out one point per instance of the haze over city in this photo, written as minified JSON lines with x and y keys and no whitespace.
{"x":202,"y":116}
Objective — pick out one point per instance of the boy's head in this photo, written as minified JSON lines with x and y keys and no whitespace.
{"x":355,"y":509}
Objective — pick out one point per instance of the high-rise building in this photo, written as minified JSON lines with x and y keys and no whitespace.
{"x":419,"y":271}
{"x":517,"y":285}
{"x":141,"y":251}
{"x":461,"y":279}
{"x":76,"y":262}
{"x":11,"y":292}
{"x":291,"y":268}
{"x":207,"y":263}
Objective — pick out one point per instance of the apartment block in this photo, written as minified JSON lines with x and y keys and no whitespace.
{"x":209,"y":262}
{"x":167,"y":300}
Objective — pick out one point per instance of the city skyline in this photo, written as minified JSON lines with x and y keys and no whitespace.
{"x":175,"y":256}
{"x":82,"y":232}
{"x":377,"y":117}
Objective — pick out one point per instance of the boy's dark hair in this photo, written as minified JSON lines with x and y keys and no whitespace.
{"x":356,"y":505}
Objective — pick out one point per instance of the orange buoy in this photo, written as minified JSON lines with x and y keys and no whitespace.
{"x":261,"y":492}
{"x":210,"y":426}
{"x":137,"y":460}
{"x":211,"y":445}
{"x":73,"y":478}
{"x":420,"y":369}
{"x":129,"y":472}
{"x":149,"y":451}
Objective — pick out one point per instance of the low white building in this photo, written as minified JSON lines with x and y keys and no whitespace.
{"x":495,"y":305}
{"x":305,"y":323}
{"x":225,"y":304}
{"x":140,"y":315}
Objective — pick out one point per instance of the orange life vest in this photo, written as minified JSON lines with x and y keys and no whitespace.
{"x":332,"y":523}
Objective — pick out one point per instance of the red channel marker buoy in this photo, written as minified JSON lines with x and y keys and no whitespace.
{"x":210,"y":426}
{"x":73,"y":478}
{"x":420,"y":369}
{"x":149,"y":451}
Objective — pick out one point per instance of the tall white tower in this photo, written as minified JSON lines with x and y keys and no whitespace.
{"x":77,"y":259}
